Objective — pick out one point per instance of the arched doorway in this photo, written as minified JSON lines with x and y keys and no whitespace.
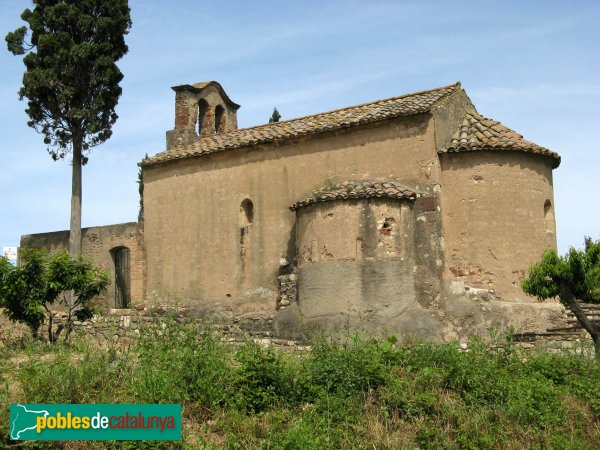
{"x":120,"y":257}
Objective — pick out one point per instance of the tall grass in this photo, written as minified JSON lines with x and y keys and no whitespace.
{"x":357,"y":393}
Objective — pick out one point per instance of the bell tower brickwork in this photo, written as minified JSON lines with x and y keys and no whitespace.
{"x":201,"y":109}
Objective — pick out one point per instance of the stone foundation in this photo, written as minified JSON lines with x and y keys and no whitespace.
{"x":287,"y":290}
{"x":120,"y":328}
{"x":557,"y":342}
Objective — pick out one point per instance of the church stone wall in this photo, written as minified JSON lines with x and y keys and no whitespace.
{"x":481,"y":219}
{"x":354,"y":230}
{"x":219,"y":234}
{"x":194,"y":222}
{"x":371,"y":266}
{"x":498,"y":217}
{"x":97,"y":243}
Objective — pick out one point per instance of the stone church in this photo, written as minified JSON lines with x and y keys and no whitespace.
{"x":413,"y":215}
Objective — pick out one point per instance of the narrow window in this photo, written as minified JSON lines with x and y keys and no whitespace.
{"x":245,"y":220}
{"x":203,"y":117}
{"x":219,"y":118}
{"x":120,"y":256}
{"x":246,"y":213}
{"x":360,"y":247}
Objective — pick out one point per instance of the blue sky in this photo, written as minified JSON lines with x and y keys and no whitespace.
{"x":532,"y":65}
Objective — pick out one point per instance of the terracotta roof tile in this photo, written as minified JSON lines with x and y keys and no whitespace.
{"x":272,"y":133}
{"x":356,"y":189}
{"x":479,"y":133}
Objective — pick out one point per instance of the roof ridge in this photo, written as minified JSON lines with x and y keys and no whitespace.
{"x":357,"y":189}
{"x":360,"y":105}
{"x":272,"y":133}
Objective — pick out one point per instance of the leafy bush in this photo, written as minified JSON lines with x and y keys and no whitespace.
{"x":430,"y":436}
{"x":29,"y":292}
{"x":573,"y":374}
{"x":361,"y":394}
{"x":67,"y":375}
{"x":208,"y":371}
{"x":260,"y":380}
{"x":181,"y":362}
{"x":347,"y":369}
{"x":408,"y":397}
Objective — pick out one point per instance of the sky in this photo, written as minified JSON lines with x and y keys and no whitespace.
{"x":534,"y":66}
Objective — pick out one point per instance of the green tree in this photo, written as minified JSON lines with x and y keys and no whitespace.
{"x":71,"y":80}
{"x":275,"y":116}
{"x":31,"y":292}
{"x":573,"y":278}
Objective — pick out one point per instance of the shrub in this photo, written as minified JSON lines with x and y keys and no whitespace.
{"x":29,"y":292}
{"x":430,"y":436}
{"x":68,"y":375}
{"x":176,"y":363}
{"x":347,"y":369}
{"x":259,"y":381}
{"x":208,"y":370}
{"x":357,"y":395}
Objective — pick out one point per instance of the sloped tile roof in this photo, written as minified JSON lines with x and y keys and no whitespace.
{"x":279,"y":132}
{"x":356,"y":189}
{"x":479,"y":133}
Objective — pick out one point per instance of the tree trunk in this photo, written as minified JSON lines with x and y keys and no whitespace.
{"x":75,"y":225}
{"x":597,"y":345}
{"x":569,"y":299}
{"x":75,"y":228}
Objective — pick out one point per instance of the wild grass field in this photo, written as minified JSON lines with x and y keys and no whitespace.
{"x":355,"y":393}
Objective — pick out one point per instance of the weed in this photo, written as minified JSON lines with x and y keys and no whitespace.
{"x":355,"y":394}
{"x":349,"y":368}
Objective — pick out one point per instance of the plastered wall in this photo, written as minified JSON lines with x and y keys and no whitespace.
{"x":192,"y":207}
{"x":354,"y":230}
{"x":497,"y":216}
{"x":371,"y":266}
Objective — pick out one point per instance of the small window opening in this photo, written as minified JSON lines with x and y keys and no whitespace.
{"x":203,"y":117}
{"x":246,"y":213}
{"x":245,"y":220}
{"x":386,"y":226}
{"x":219,"y":118}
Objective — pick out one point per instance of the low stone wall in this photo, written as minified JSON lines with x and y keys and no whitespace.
{"x":120,"y":328}
{"x":115,"y":330}
{"x":555,"y":342}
